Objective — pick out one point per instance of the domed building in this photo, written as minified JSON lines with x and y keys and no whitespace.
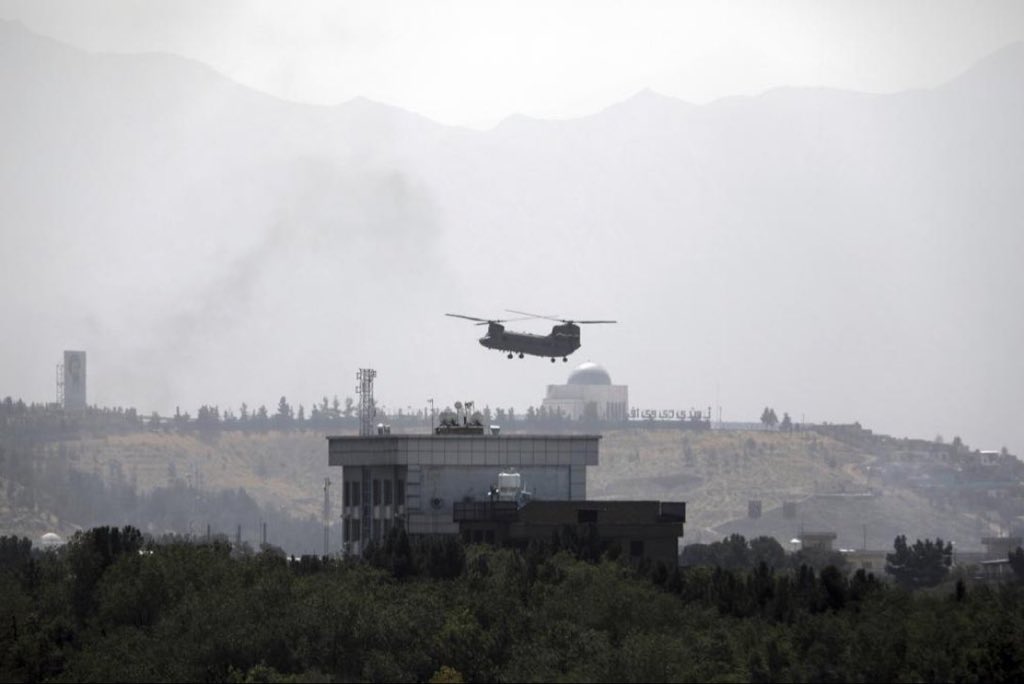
{"x":588,"y":393}
{"x":51,"y":540}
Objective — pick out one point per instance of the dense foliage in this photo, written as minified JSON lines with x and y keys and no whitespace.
{"x":112,"y":606}
{"x":923,"y":564}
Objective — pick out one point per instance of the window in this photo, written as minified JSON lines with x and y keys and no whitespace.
{"x":376,"y":530}
{"x":586,"y":515}
{"x":357,"y":488}
{"x":346,"y":499}
{"x":357,"y":530}
{"x":376,"y":492}
{"x":387,"y":493}
{"x":636,"y":548}
{"x":400,"y":492}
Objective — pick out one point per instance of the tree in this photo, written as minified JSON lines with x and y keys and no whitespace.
{"x":261,"y":419}
{"x":787,"y":423}
{"x":208,"y":418}
{"x":283,"y":417}
{"x":769,"y":418}
{"x":1017,"y":563}
{"x":90,"y":553}
{"x":767,"y":550}
{"x":180,"y":419}
{"x":924,"y":564}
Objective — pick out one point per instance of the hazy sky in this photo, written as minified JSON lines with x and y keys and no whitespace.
{"x":258,"y":220}
{"x":473,"y":63}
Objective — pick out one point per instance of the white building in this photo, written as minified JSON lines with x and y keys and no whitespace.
{"x":589,"y":392}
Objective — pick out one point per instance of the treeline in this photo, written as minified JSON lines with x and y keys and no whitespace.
{"x":47,"y":422}
{"x":112,"y":606}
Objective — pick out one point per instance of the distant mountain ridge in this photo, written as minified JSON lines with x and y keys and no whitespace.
{"x":839,"y":254}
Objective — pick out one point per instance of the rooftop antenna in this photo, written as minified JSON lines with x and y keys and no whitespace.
{"x":60,"y":385}
{"x":364,"y":389}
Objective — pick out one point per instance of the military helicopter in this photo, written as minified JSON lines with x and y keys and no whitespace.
{"x":563,"y":340}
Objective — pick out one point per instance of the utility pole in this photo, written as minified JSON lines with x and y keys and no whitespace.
{"x":431,"y":402}
{"x":327,"y":515}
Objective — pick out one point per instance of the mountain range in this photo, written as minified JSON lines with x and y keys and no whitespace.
{"x":840,"y":256}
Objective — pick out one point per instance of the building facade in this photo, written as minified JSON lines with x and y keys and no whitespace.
{"x":415,"y":480}
{"x":588,"y":393}
{"x":640,"y":529}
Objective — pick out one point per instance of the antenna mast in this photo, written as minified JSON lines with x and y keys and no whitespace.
{"x":364,"y":389}
{"x":60,"y":385}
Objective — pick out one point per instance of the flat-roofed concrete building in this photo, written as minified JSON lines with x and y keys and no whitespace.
{"x":414,"y":480}
{"x":817,"y":540}
{"x":641,"y":529}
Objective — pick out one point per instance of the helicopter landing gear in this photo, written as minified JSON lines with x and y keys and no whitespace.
{"x":520,"y":354}
{"x":565,"y":359}
{"x":552,"y":359}
{"x":510,"y":355}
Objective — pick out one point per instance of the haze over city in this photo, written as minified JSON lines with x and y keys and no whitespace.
{"x":810,"y":206}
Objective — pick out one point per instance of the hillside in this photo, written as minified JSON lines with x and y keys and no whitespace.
{"x":864,"y":487}
{"x":853,"y":490}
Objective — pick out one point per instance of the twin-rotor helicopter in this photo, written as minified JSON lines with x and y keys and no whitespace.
{"x":563,"y":340}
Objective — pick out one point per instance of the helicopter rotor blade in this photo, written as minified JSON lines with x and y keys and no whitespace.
{"x":484,"y":321}
{"x":530,"y":315}
{"x":468,"y":318}
{"x":555,"y":318}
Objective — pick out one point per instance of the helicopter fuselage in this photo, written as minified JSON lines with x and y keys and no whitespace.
{"x":563,"y":340}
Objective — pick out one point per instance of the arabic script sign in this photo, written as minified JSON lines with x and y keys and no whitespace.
{"x":669,"y":414}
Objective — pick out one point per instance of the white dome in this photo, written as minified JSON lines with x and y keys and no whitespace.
{"x":51,"y":539}
{"x":589,"y":373}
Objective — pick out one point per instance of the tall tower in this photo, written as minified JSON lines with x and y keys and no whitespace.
{"x":367,"y":410}
{"x":73,"y":385}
